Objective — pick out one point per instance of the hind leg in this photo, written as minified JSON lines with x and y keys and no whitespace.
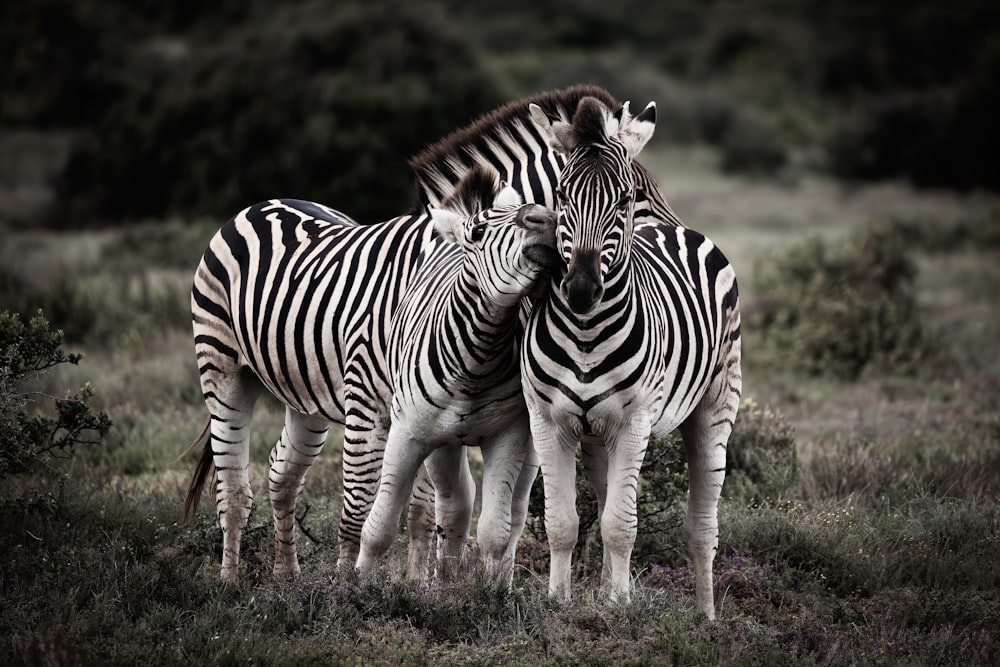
{"x":594,"y":456}
{"x":455,"y":494}
{"x":420,"y":524}
{"x":231,"y":406}
{"x":706,"y":434}
{"x":300,"y":443}
{"x":519,"y":507}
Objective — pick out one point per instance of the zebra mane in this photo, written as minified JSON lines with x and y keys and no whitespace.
{"x":474,"y":193}
{"x":441,"y":164}
{"x":590,"y":123}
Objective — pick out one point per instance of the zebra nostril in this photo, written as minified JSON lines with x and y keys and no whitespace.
{"x":536,"y":217}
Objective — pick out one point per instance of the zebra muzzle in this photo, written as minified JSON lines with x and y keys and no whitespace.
{"x":582,"y":287}
{"x":540,"y":244}
{"x":537,"y":218}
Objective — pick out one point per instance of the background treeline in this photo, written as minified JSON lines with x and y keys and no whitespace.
{"x":190,"y":108}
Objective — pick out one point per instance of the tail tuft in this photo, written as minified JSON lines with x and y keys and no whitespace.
{"x":201,"y":473}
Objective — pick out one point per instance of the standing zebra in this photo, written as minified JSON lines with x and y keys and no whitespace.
{"x":639,"y":335}
{"x":296,"y":298}
{"x":454,"y":363}
{"x":661,"y":347}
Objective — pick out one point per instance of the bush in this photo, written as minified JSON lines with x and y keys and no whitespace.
{"x":28,"y":438}
{"x":751,"y":145}
{"x":840,"y":310}
{"x":762,"y":462}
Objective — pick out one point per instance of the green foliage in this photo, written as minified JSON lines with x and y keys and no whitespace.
{"x":29,"y":439}
{"x":839,"y":310}
{"x":762,"y":461}
{"x":921,"y":91}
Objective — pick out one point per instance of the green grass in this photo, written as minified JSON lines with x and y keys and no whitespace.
{"x":882,"y":548}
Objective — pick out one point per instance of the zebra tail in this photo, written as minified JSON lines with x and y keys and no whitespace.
{"x":205,"y":468}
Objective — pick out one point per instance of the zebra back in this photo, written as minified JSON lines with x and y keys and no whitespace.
{"x":507,"y":140}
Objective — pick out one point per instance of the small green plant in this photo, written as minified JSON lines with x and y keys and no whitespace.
{"x":839,"y":310}
{"x":30,"y":438}
{"x":761,"y":459}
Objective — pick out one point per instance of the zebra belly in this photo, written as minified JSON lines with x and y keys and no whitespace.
{"x":471,"y":421}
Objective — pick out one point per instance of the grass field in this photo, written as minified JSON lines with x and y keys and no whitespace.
{"x":886,"y":550}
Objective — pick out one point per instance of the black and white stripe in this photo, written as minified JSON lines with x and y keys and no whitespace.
{"x":638,"y":336}
{"x":295,"y":298}
{"x":508,"y":141}
{"x":661,"y":347}
{"x":454,"y":366}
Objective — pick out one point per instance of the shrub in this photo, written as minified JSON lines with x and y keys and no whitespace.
{"x":838,"y":310}
{"x":28,"y":438}
{"x":762,"y":462}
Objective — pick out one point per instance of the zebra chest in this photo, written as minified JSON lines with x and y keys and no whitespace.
{"x":447,"y":413}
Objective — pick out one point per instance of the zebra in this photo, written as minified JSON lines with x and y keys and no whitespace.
{"x":637,"y":336}
{"x":525,"y":141}
{"x":507,"y":141}
{"x":453,"y":359}
{"x":296,"y":298}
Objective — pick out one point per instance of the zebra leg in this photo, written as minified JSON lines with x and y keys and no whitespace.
{"x":455,"y":491}
{"x":399,"y":470}
{"x":619,"y":523}
{"x":503,"y":460}
{"x":300,"y":443}
{"x":364,"y":443}
{"x":557,"y":456}
{"x":519,"y":507}
{"x":595,"y":468}
{"x":231,"y":405}
{"x":420,"y":524}
{"x":705,"y":434}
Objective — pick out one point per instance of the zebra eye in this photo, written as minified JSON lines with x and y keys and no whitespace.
{"x":624,"y":201}
{"x":477,"y":233}
{"x":560,"y":197}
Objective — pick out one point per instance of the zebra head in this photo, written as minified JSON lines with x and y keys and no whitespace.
{"x":596,"y":192}
{"x":507,"y":245}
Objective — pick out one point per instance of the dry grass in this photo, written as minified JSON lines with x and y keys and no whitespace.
{"x":883,"y":552}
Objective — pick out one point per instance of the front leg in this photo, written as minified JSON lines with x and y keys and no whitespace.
{"x":556,"y":450}
{"x":619,"y":522}
{"x":364,"y":444}
{"x":403,"y":456}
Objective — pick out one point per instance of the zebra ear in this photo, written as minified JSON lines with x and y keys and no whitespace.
{"x":448,"y":224}
{"x":638,"y":130}
{"x":557,"y":133}
{"x":507,"y":196}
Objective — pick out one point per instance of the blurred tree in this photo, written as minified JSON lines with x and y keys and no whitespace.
{"x":191,"y":107}
{"x":317,"y":101}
